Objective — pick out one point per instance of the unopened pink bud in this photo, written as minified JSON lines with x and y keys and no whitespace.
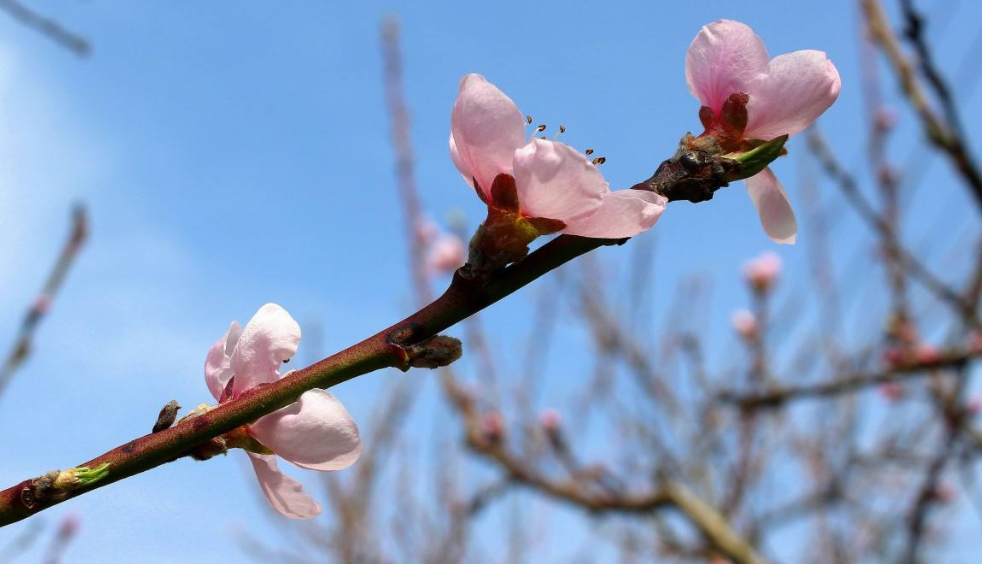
{"x":42,"y":304}
{"x":745,"y":324}
{"x":944,"y":492}
{"x":926,"y":354}
{"x":895,"y":356}
{"x":762,"y":272}
{"x":69,"y":525}
{"x":886,"y":118}
{"x":550,"y":420}
{"x":493,"y":426}
{"x":891,"y":391}
{"x":446,"y":254}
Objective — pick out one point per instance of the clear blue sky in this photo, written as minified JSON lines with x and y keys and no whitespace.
{"x":235,"y":153}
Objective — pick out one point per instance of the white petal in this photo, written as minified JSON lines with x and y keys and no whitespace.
{"x":776,"y":215}
{"x":486,"y":128}
{"x":270,"y":338}
{"x":555,"y":181}
{"x":623,"y":213}
{"x":285,"y":494}
{"x":218,"y":370}
{"x":316,"y":432}
{"x":723,"y":58}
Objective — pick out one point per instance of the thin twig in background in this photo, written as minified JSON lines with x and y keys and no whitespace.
{"x":47,"y":27}
{"x":25,"y":337}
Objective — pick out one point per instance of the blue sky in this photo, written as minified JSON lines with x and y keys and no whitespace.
{"x":233,"y":154}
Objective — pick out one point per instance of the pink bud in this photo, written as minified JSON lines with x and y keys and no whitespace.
{"x":895,"y":356}
{"x":69,"y":525}
{"x":42,"y":304}
{"x":891,"y":391}
{"x":926,"y":354}
{"x":550,"y":420}
{"x":745,"y":324}
{"x":762,"y":272}
{"x":886,"y":118}
{"x":974,"y":406}
{"x":944,"y":492}
{"x":493,"y":426}
{"x":446,"y":254}
{"x":426,"y":231}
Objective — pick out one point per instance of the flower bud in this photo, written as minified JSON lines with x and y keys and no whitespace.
{"x":762,"y":272}
{"x":550,"y":420}
{"x":745,"y":324}
{"x":493,"y":427}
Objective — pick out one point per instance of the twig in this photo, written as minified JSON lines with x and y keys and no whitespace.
{"x":42,"y":304}
{"x":47,"y":27}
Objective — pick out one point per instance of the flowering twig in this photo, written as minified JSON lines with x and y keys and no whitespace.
{"x":42,"y":304}
{"x":465,"y":297}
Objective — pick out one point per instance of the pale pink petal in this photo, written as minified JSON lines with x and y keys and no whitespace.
{"x":486,"y":128}
{"x":285,"y":494}
{"x":723,"y":58}
{"x":458,"y":162}
{"x":270,"y":338}
{"x":555,"y":181}
{"x":217,"y":368}
{"x":796,"y":89}
{"x":772,"y":204}
{"x":316,"y":432}
{"x":623,"y":213}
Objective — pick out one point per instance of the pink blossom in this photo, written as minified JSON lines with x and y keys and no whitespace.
{"x":446,"y":253}
{"x":763,"y":271}
{"x":745,"y":324}
{"x":316,"y":432}
{"x":747,"y":96}
{"x":550,"y":420}
{"x":553,"y":181}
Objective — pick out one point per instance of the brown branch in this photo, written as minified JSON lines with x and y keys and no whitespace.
{"x":776,"y":397}
{"x":945,"y":136}
{"x":47,"y":27}
{"x":42,"y":304}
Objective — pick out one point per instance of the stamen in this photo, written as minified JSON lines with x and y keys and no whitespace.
{"x":528,"y":120}
{"x":589,"y":152}
{"x":599,"y":160}
{"x":562,"y":129}
{"x":540,"y":129}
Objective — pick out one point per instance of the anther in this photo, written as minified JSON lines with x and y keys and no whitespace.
{"x":528,"y":120}
{"x":589,"y":152}
{"x":599,"y":160}
{"x":562,"y":129}
{"x":540,"y":129}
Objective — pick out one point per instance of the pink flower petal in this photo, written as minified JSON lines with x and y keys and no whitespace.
{"x":486,"y":128}
{"x":217,"y":368}
{"x":316,"y":432}
{"x":772,"y":204}
{"x":623,"y":213}
{"x":723,"y":58}
{"x":555,"y":181}
{"x":796,"y":89}
{"x":285,"y":494}
{"x":270,"y":338}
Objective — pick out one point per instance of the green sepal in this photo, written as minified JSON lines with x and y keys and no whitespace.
{"x":757,"y":159}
